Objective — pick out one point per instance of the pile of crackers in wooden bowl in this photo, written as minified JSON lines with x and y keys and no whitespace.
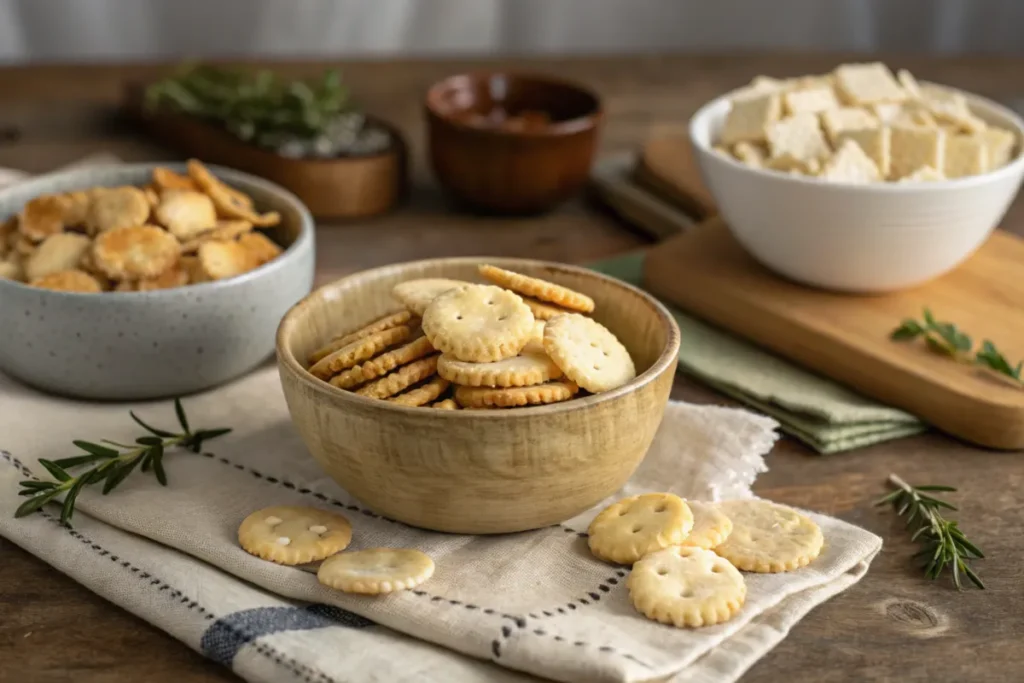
{"x":519,"y":341}
{"x":478,"y":396}
{"x":862,"y":124}
{"x":175,"y":231}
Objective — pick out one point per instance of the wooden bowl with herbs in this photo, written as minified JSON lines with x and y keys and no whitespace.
{"x":305,"y":135}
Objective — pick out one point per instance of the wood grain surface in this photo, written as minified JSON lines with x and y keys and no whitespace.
{"x":893,"y":625}
{"x":844,"y":337}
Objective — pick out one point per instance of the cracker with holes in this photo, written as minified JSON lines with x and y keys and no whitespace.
{"x":533,"y":287}
{"x":478,"y":323}
{"x":358,"y":351}
{"x":850,"y":165}
{"x":767,"y":537}
{"x":912,"y":147}
{"x":526,"y":369}
{"x":378,"y":366}
{"x":749,"y":118}
{"x":965,"y":155}
{"x":514,"y":397}
{"x":798,"y":136}
{"x":416,"y":295}
{"x":710,"y":525}
{"x":376,"y":571}
{"x":875,"y":142}
{"x":629,"y":529}
{"x":865,"y":84}
{"x":810,"y":100}
{"x":686,"y":587}
{"x":402,"y":378}
{"x":423,"y":394}
{"x":294,"y":535}
{"x":588,"y":353}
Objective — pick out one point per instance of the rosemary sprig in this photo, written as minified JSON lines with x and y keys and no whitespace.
{"x":111,"y":462}
{"x":945,"y":546}
{"x":945,"y":338}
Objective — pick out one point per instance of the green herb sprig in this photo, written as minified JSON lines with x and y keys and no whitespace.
{"x":258,"y":106}
{"x":946,"y":339}
{"x":111,"y":462}
{"x":945,"y":546}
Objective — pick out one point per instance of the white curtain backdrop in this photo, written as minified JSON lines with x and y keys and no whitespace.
{"x":93,"y":30}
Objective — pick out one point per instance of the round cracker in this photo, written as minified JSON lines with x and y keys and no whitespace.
{"x":423,"y":394}
{"x":685,"y":586}
{"x":262,"y":248}
{"x":382,"y":323}
{"x":359,"y":350}
{"x":221,"y":259}
{"x":68,"y":281}
{"x":166,"y":179}
{"x":206,"y":181}
{"x":526,"y":369}
{"x":292,"y":535}
{"x":538,"y":289}
{"x":401,"y":379}
{"x":627,"y":530}
{"x":416,"y":295}
{"x":175,"y":276}
{"x":767,"y":537}
{"x":588,"y":353}
{"x":224,"y":231}
{"x":512,"y":397}
{"x":478,"y":323}
{"x":185,"y":213}
{"x":710,"y":525}
{"x":62,"y":251}
{"x":117,"y":207}
{"x":382,"y":364}
{"x":376,"y":571}
{"x":41,"y":217}
{"x":135,"y":252}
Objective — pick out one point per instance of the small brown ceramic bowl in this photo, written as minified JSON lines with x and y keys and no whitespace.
{"x":511,"y":143}
{"x":478,"y":471}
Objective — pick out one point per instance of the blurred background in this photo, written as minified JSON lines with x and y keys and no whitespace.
{"x":143,"y":30}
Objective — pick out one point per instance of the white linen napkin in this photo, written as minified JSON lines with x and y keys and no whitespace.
{"x":499,"y":608}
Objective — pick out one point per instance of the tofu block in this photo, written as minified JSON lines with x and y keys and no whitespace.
{"x":965,"y":155}
{"x":812,"y":100}
{"x":798,"y":136}
{"x":867,"y":84}
{"x":912,"y":147}
{"x":836,"y":121}
{"x":875,"y":142}
{"x":851,"y":165}
{"x":749,"y":118}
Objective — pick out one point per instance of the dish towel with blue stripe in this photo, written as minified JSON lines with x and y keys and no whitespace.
{"x":521,"y":607}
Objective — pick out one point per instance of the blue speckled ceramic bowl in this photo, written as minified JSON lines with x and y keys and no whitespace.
{"x":143,"y":345}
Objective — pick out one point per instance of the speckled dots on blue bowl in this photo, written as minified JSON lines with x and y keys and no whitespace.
{"x":143,"y":345}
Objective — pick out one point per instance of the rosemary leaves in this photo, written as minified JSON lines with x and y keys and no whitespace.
{"x":111,"y":462}
{"x":945,"y":546}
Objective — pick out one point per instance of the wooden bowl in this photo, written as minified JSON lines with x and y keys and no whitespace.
{"x":478,"y":471}
{"x":512,"y":171}
{"x":343,"y":187}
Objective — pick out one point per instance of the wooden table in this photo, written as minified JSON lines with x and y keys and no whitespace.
{"x":892,"y":625}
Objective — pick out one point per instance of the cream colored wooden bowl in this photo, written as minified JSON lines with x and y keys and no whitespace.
{"x":478,"y":471}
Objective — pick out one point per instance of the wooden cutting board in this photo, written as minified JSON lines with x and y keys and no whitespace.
{"x":845,"y":337}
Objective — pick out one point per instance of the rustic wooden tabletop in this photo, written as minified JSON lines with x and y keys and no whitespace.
{"x":893,"y":625}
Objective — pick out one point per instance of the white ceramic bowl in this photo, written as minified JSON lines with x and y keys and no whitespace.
{"x":856,"y":238}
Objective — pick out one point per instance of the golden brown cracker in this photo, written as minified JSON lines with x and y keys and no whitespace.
{"x":417,"y":294}
{"x":544,"y":311}
{"x":767,"y":537}
{"x":135,"y":252}
{"x":359,"y":350}
{"x":166,"y":179}
{"x":68,"y":281}
{"x":588,"y":353}
{"x":224,"y":231}
{"x":401,"y":379}
{"x":117,"y":207}
{"x":478,"y":323}
{"x":538,"y":289}
{"x":41,"y":217}
{"x":446,"y":404}
{"x":376,"y":571}
{"x":526,"y":369}
{"x":382,"y":364}
{"x":222,"y":259}
{"x":423,"y":394}
{"x":386,"y":322}
{"x":294,"y":535}
{"x":185,"y":213}
{"x":261,"y":247}
{"x":509,"y":397}
{"x":627,"y":530}
{"x":62,"y":251}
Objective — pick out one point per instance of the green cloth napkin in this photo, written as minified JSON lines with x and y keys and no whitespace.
{"x":826,"y":416}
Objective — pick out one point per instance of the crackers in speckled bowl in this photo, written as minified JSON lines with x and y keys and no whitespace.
{"x":478,"y":395}
{"x":126,"y":282}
